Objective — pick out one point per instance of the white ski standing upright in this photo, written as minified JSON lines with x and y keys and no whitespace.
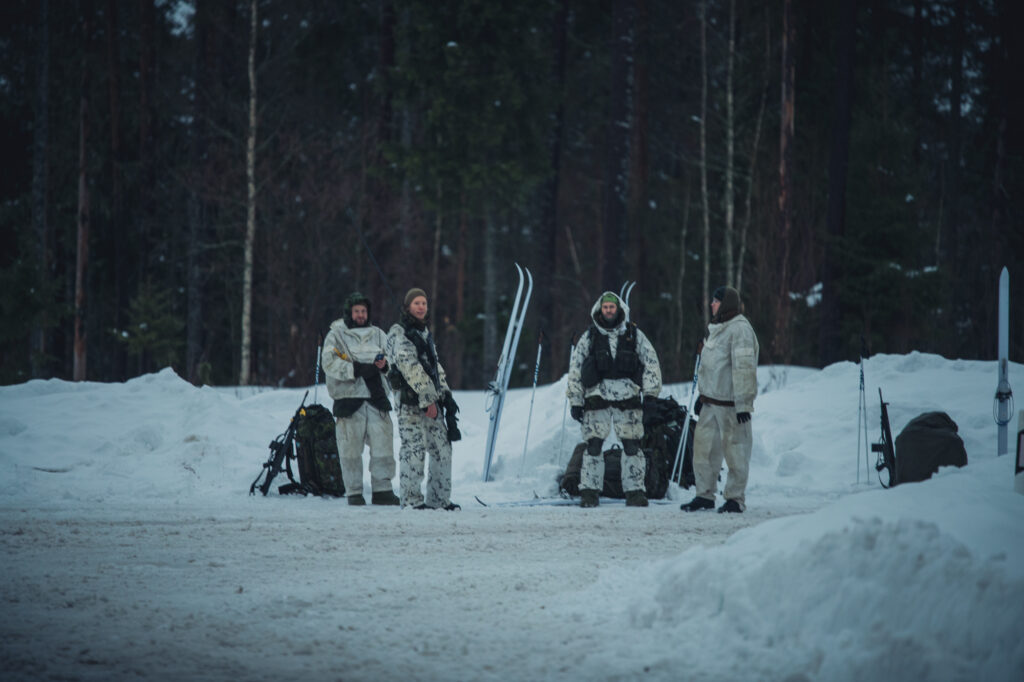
{"x":677,"y":465}
{"x":1004,"y":396}
{"x":498,"y":387}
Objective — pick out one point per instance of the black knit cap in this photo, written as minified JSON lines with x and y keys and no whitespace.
{"x":356,"y":298}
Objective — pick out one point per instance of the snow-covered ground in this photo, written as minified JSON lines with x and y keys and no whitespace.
{"x":132,"y":549}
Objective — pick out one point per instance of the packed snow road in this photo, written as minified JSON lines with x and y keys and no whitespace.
{"x":310,"y":589}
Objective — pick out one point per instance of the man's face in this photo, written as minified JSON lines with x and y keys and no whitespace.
{"x":715,"y":305}
{"x":418,"y":308}
{"x":609,"y":310}
{"x":360,"y":314}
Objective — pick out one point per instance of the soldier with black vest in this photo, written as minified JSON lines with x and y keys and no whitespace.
{"x":354,"y":365}
{"x":612,"y":367}
{"x":426,"y":413}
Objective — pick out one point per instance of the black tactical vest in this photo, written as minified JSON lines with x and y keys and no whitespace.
{"x":600,"y":365}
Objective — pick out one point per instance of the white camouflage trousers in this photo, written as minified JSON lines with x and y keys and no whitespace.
{"x":628,"y":425}
{"x":422,"y":439}
{"x":366,"y":426}
{"x":719,"y":435}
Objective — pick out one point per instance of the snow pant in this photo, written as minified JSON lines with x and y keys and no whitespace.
{"x":629,"y":427}
{"x":422,"y":439}
{"x":719,"y":435}
{"x":366,"y":426}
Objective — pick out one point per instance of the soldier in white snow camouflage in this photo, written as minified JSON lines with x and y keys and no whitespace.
{"x":727,"y":379}
{"x":612,"y":366}
{"x":354,"y":367}
{"x":424,"y":397}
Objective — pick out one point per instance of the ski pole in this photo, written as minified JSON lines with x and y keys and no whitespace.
{"x":565,"y":405}
{"x":677,"y":468}
{"x":316,"y":375}
{"x":529,"y":418}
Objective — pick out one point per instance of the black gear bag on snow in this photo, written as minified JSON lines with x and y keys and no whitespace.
{"x":310,"y":441}
{"x":659,"y":445}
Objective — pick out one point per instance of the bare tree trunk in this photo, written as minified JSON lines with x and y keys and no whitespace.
{"x":681,"y":273}
{"x":40,"y":182}
{"x":117,"y":211}
{"x":619,"y":130}
{"x":780,"y":339}
{"x":250,"y":207}
{"x":706,"y":209}
{"x":730,"y":146}
{"x":829,"y":338}
{"x":147,"y":170}
{"x":490,"y":359}
{"x":82,"y":261}
{"x":435,"y":259}
{"x":752,"y":167}
{"x":549,"y":255}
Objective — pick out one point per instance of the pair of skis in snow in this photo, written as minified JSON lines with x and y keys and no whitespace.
{"x":499,"y":387}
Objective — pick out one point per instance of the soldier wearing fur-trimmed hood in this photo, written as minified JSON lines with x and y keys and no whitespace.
{"x":354,"y":367}
{"x":613,"y":372}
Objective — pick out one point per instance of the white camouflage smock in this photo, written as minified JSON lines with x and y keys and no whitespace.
{"x":627,"y":423}
{"x":367,"y":425}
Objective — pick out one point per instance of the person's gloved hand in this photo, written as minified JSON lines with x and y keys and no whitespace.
{"x":577,"y":412}
{"x":742,"y":417}
{"x":697,"y":405}
{"x":650,"y":412}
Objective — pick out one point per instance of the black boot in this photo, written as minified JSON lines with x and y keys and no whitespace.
{"x":698,"y":504}
{"x":356,"y":500}
{"x":636,"y":498}
{"x":384,"y":497}
{"x":730,"y":506}
{"x":588,"y":498}
{"x":451,"y":506}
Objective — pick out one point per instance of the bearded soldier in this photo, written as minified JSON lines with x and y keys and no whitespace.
{"x":612,"y":366}
{"x":354,"y":364}
{"x":424,"y":399}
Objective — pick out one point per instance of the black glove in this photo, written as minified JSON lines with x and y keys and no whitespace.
{"x":577,"y":412}
{"x":364,"y":369}
{"x":697,"y":405}
{"x":742,"y":417}
{"x":449,"y":403}
{"x":650,"y":412}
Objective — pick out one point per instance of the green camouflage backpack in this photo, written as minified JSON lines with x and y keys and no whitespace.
{"x":317,"y":452}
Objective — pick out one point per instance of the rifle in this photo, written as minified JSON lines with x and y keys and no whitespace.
{"x":449,"y":408}
{"x":886,"y":452}
{"x":282,"y":451}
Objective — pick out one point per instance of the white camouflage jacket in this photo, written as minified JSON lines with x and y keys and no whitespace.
{"x":343,"y":345}
{"x":401,"y":352}
{"x":613,"y":389}
{"x":728,"y":363}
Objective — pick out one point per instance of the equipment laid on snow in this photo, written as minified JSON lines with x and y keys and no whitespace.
{"x":662,"y":439}
{"x":928,"y":442}
{"x":310,"y":440}
{"x":499,"y":387}
{"x":886,"y":453}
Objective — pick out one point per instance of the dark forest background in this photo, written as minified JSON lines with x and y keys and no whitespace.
{"x":200,"y":184}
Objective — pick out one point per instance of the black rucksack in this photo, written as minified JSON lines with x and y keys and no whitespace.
{"x":659,"y":445}
{"x":310,"y":440}
{"x":928,"y":442}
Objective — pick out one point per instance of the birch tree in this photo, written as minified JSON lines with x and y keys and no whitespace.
{"x":250,"y":207}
